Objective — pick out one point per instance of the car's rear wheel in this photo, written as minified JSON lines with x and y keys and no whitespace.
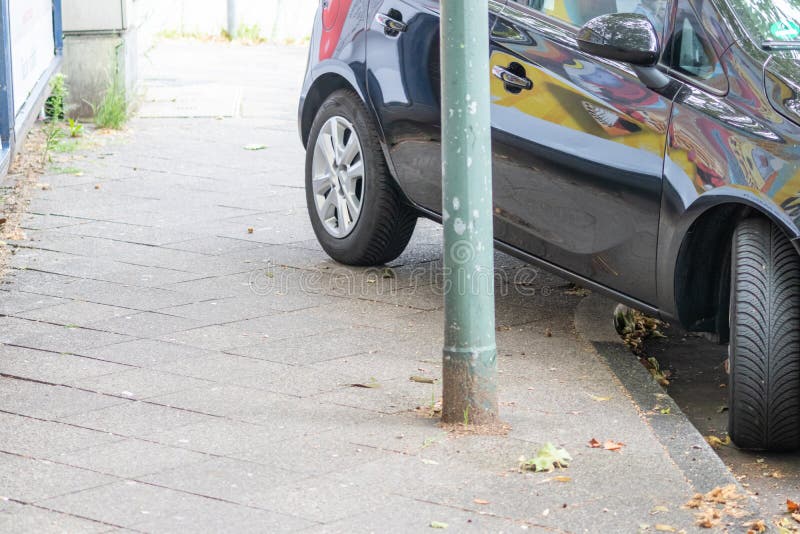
{"x":764,"y":348}
{"x":359,"y":215}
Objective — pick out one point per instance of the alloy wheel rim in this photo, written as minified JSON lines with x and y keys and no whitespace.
{"x":338,"y":177}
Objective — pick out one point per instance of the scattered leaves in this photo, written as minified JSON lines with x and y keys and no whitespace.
{"x":635,"y":327}
{"x":715,"y":505}
{"x":546,"y":459}
{"x":652,"y":365}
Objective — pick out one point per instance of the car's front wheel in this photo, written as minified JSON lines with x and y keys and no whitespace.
{"x":359,"y":214}
{"x":764,"y":348}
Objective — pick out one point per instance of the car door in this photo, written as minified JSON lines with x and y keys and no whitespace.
{"x":579,"y":153}
{"x":403,"y":83}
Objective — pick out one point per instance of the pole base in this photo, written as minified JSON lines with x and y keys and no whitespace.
{"x":469,"y":379}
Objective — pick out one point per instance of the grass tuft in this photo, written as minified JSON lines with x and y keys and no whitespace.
{"x":112,"y":111}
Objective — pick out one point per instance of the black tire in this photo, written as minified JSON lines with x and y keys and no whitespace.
{"x":386,"y":221}
{"x":765,"y":339}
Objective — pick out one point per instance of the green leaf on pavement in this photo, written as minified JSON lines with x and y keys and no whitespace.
{"x":438,"y":524}
{"x":546,"y":459}
{"x":254,"y":146}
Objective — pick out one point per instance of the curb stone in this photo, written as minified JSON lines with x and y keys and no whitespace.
{"x":701,"y":466}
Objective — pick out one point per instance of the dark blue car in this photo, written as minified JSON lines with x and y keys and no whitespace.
{"x":647,"y":149}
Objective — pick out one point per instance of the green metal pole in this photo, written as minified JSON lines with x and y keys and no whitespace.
{"x":470,"y":353}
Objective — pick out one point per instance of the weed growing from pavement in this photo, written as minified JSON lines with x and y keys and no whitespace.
{"x":112,"y":111}
{"x":53,"y":134}
{"x":54,"y":112}
{"x":75,"y":128}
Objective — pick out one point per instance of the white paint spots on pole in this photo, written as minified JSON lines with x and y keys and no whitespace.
{"x":458,"y":226}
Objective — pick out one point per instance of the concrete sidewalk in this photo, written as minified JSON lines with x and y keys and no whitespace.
{"x":180,"y":355}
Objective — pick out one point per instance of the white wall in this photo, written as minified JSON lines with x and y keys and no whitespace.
{"x":31,"y":24}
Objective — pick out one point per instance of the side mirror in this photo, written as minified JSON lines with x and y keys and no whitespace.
{"x":626,"y":37}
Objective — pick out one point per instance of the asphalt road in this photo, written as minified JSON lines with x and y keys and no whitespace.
{"x":698,"y":386}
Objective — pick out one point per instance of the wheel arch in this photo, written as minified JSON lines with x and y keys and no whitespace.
{"x":332,"y":79}
{"x":700,"y":254}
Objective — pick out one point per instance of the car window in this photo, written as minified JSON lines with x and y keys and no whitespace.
{"x":691,"y":52}
{"x":579,"y":12}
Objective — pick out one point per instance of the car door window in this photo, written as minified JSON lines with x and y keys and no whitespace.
{"x":579,"y":12}
{"x":691,"y":53}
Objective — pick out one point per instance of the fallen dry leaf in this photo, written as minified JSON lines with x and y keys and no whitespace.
{"x":613,"y":445}
{"x":664,"y":528}
{"x":696,"y":501}
{"x":787,"y":526}
{"x":594,"y":444}
{"x":422,"y":379}
{"x":547,"y":459}
{"x":755,"y":526}
{"x":717,"y":443}
{"x":792,"y":506}
{"x":366,"y":385}
{"x":480,"y":501}
{"x":708,"y":518}
{"x":562,"y":479}
{"x":250,"y":230}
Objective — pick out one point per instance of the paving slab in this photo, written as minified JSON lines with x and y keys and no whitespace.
{"x":163,"y":369}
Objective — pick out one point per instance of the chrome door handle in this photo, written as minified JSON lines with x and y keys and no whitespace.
{"x":391,"y":24}
{"x":511,"y":79}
